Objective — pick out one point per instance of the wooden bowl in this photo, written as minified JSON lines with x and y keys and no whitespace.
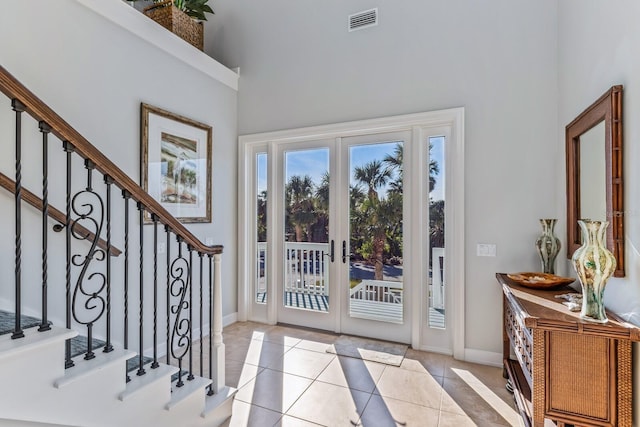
{"x":540,"y":280}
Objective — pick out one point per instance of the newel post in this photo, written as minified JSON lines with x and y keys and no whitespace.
{"x":218,"y":346}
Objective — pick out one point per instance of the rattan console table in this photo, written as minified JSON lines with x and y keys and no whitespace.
{"x":565,"y":370}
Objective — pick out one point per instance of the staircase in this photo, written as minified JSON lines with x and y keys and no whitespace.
{"x":105,"y":321}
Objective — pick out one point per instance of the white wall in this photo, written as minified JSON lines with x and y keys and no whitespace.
{"x":598,"y":48}
{"x":300,"y":66}
{"x":95,"y":74}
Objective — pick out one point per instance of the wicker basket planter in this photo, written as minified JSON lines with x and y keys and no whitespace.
{"x":178,"y":22}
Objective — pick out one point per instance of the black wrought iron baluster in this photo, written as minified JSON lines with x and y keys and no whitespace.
{"x":45,"y":129}
{"x":141,"y":370}
{"x":155,"y":363}
{"x":19,"y":108}
{"x":210,"y":286}
{"x":168,"y":232}
{"x":127,"y":196}
{"x":88,"y":305}
{"x":190,"y":377}
{"x":69,"y":149}
{"x":180,"y":337}
{"x":201,"y":321}
{"x":108,"y":347}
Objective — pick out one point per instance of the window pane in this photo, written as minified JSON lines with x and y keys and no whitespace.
{"x":375,"y":222}
{"x":437,"y":285}
{"x":261,"y":227}
{"x":306,"y":234}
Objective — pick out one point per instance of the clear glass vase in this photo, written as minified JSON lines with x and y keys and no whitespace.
{"x":594,"y":264}
{"x":548,"y":245}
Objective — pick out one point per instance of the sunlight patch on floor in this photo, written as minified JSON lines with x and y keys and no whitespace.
{"x":498,"y":405}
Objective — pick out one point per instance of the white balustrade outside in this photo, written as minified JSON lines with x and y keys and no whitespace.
{"x":437,"y":278}
{"x":377,"y":300}
{"x":261,"y":269}
{"x":306,"y":268}
{"x":378,"y":290}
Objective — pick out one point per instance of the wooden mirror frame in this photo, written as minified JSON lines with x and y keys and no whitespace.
{"x":607,"y":108}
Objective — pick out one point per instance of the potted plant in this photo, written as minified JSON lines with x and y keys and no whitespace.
{"x":182,"y":17}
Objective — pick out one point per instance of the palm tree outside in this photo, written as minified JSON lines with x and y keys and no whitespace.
{"x":379,"y":214}
{"x":300,"y":205}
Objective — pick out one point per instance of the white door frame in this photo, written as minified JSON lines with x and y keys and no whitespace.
{"x":419,"y":123}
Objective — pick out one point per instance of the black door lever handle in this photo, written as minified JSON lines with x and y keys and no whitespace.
{"x":332,"y":255}
{"x":344,"y":251}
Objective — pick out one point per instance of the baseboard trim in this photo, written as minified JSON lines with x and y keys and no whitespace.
{"x":483,"y":357}
{"x":229,"y":319}
{"x":439,"y":350}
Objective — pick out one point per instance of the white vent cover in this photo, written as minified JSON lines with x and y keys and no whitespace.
{"x":364,"y":19}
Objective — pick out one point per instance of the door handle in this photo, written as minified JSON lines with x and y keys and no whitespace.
{"x":332,"y":251}
{"x":332,"y":255}
{"x":344,"y":251}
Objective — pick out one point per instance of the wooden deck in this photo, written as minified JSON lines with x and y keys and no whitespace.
{"x":376,"y":311}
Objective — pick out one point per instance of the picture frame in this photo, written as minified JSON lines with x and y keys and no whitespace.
{"x":176,"y":160}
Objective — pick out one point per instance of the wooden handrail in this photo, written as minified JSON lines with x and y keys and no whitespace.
{"x":9,"y":184}
{"x":13,"y":89}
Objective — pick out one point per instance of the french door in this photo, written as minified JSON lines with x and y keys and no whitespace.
{"x":372,"y":211}
{"x":343,"y":229}
{"x":305,"y":286}
{"x":339,"y":232}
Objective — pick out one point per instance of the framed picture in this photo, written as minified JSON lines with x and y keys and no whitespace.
{"x":176,"y":163}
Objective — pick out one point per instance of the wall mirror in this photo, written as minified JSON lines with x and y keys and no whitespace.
{"x":594,"y":173}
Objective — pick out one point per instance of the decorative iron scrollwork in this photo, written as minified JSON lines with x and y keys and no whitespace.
{"x":88,"y":303}
{"x":180,"y":341}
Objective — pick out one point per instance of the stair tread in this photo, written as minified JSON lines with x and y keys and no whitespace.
{"x":213,"y":402}
{"x":134,"y":362}
{"x":152,"y":375}
{"x":180,"y":394}
{"x":78,"y":343}
{"x":33,"y":339}
{"x":85,"y":368}
{"x":7,"y":322}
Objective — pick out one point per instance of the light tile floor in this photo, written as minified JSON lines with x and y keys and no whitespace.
{"x":286,"y":378}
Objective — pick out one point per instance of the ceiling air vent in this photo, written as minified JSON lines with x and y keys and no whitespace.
{"x":364,"y":19}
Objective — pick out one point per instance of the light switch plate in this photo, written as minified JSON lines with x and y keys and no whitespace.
{"x":486,"y":249}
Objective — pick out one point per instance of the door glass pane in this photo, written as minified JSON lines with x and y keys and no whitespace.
{"x":306,"y":233}
{"x":437,"y":285}
{"x":375,"y":235}
{"x":261,"y":228}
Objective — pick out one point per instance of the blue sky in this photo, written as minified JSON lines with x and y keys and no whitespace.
{"x":315,"y":162}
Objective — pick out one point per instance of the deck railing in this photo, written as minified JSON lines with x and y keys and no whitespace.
{"x":378,"y":290}
{"x":437,"y":279}
{"x":377,"y":300}
{"x":166,"y":286}
{"x":306,"y":268}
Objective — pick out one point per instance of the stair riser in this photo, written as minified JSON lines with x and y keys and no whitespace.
{"x":157,"y":395}
{"x":220,"y":414}
{"x":19,"y":373}
{"x":31,"y":371}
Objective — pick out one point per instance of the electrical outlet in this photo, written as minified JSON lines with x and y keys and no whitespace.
{"x":486,"y":249}
{"x":162,"y":247}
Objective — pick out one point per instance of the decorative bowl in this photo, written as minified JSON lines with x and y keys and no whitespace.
{"x":540,"y":280}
